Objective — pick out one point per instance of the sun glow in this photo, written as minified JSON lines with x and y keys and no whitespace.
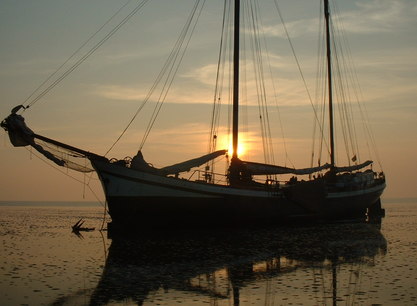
{"x":249,"y":147}
{"x":241,"y":149}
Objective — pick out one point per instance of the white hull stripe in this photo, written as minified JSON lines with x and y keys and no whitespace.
{"x":209,"y":190}
{"x":336,"y":195}
{"x":197,"y":188}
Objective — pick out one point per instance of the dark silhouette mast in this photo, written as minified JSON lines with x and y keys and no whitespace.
{"x":235,"y":128}
{"x":329,"y":78}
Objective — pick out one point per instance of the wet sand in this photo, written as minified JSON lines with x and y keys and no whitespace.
{"x":43,"y":263}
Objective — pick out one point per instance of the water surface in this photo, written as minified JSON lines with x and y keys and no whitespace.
{"x":43,"y":263}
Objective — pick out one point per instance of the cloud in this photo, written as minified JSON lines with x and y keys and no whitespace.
{"x":368,"y":17}
{"x":294,"y":28}
{"x":375,"y":16}
{"x":287,"y":82}
{"x":117,"y":92}
{"x":118,"y":57}
{"x":205,"y":74}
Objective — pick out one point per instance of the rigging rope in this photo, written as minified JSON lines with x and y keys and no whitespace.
{"x":300,"y":70}
{"x":257,"y":54}
{"x":170,"y":69}
{"x":346,"y":91}
{"x":287,"y":158}
{"x":73,"y":54}
{"x":89,"y":53}
{"x":168,"y":66}
{"x":105,"y":211}
{"x":218,"y":90}
{"x":321,"y":96}
{"x":341,"y":89}
{"x":66,"y":174}
{"x":175,"y":60}
{"x":214,"y":124}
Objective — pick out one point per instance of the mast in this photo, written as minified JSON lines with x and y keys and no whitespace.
{"x":235,"y":127}
{"x":329,"y":79}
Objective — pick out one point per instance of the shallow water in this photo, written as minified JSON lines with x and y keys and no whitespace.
{"x":43,"y":263}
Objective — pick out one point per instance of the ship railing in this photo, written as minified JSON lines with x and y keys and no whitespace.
{"x":221,"y":179}
{"x":208,"y":177}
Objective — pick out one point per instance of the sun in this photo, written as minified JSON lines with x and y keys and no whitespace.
{"x":241,"y":149}
{"x":226,"y":142}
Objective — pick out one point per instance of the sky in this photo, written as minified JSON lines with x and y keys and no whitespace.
{"x":91,"y":106}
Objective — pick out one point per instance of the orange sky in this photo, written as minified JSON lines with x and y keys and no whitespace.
{"x":90,"y":107}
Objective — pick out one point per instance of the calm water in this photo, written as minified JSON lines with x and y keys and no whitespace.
{"x":43,"y":263}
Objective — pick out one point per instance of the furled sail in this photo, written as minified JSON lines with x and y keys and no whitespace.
{"x":354,"y":167}
{"x":265,"y":169}
{"x":139,"y":163}
{"x":187,"y":165}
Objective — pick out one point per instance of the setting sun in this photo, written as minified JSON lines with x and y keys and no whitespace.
{"x":240,"y":151}
{"x":226,"y":142}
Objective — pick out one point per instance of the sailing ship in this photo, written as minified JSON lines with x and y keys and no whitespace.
{"x":139,"y":195}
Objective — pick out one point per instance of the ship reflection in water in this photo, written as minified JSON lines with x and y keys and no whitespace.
{"x":238,"y":266}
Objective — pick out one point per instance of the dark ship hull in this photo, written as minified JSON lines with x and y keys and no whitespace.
{"x":142,"y":200}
